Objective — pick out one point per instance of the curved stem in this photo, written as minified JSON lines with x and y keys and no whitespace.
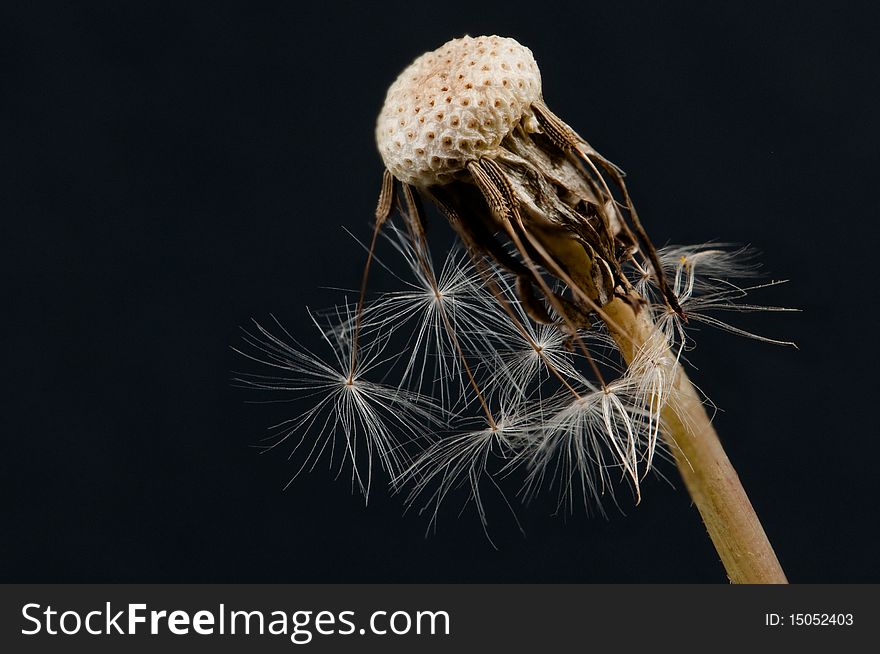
{"x":708,"y":474}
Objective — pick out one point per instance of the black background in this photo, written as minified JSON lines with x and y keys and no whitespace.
{"x":171,"y":170}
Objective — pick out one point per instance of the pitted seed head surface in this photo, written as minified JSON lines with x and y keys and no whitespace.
{"x":454,"y":105}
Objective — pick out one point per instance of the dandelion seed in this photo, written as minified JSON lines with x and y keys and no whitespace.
{"x":594,"y":433}
{"x":518,"y":355}
{"x":441,"y":312}
{"x":463,"y":459}
{"x":525,"y":366}
{"x":703,"y":280}
{"x":362,"y":419}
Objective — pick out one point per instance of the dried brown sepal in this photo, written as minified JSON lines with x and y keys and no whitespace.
{"x":475,"y":233}
{"x":386,"y":198}
{"x":416,"y":221}
{"x":568,"y":140}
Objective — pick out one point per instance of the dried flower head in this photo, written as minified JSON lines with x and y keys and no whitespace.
{"x":455,"y":104}
{"x":550,"y":341}
{"x":466,"y":126}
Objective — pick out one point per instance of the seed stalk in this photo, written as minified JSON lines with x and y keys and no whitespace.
{"x":709,"y":476}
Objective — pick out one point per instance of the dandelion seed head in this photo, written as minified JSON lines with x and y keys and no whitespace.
{"x":453,"y":105}
{"x":506,"y":357}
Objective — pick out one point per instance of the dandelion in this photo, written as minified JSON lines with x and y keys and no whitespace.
{"x":556,"y":327}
